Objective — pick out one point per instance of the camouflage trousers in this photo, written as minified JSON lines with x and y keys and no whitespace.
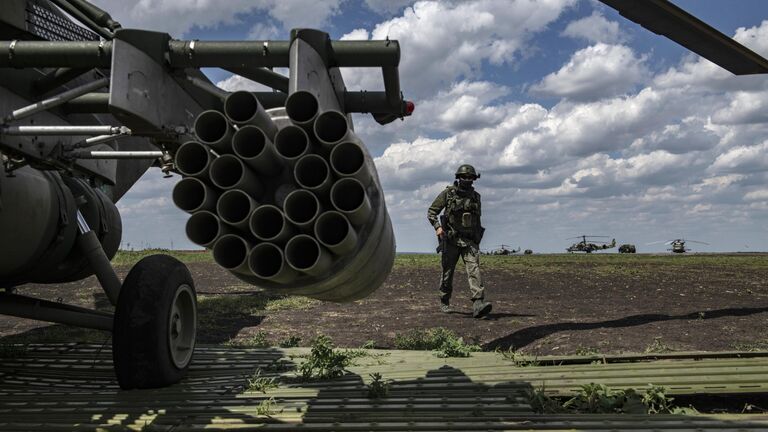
{"x":470,"y":254}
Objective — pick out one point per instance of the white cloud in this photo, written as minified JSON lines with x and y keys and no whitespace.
{"x":595,"y":72}
{"x":177,"y":17}
{"x":387,"y":6}
{"x":442,"y":42}
{"x":757,"y":195}
{"x":745,"y":108}
{"x":743,"y":159}
{"x":595,"y":28}
{"x":264,"y":31}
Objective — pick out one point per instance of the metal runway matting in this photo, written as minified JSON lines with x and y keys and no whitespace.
{"x":72,"y":387}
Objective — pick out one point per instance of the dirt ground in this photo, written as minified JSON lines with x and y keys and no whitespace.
{"x":557,"y":304}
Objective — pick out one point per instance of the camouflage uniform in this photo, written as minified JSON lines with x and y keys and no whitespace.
{"x":463,"y":234}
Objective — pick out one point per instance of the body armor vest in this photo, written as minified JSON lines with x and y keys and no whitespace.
{"x":463,"y":211}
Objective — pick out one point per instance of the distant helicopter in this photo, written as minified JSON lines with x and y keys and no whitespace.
{"x":678,"y":245}
{"x":504,"y":250}
{"x":590,"y":246}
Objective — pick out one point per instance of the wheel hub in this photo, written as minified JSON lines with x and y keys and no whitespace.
{"x":182,"y":326}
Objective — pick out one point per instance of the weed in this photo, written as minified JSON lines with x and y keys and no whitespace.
{"x":369,"y":344}
{"x":657,"y":346}
{"x":455,"y":347}
{"x":701,"y":315}
{"x":259,"y":340}
{"x":290,"y":342}
{"x":379,"y":387}
{"x":657,"y":401}
{"x":543,"y":403}
{"x":593,"y":398}
{"x":324,"y":362}
{"x":518,"y":359}
{"x":599,"y":399}
{"x":266,"y":407}
{"x":444,"y":341}
{"x":751,"y":346}
{"x":440,"y":339}
{"x":586,"y":351}
{"x":259,"y":383}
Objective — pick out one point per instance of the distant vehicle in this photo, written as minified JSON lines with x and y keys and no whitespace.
{"x":588,"y":244}
{"x":528,"y":252}
{"x":627,"y":248}
{"x":678,"y":245}
{"x":504,"y":250}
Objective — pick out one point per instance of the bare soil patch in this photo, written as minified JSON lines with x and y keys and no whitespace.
{"x":556,"y":304}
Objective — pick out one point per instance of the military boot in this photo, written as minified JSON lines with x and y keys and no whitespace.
{"x":481,"y":308}
{"x":445,"y":306}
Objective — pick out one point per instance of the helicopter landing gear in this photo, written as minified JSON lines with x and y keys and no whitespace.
{"x":155,"y":324}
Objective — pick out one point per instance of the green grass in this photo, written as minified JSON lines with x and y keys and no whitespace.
{"x":444,"y":342}
{"x":602,"y":263}
{"x":290,"y":303}
{"x":124,"y":257}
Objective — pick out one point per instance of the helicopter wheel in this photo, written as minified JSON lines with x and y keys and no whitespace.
{"x":155,"y":324}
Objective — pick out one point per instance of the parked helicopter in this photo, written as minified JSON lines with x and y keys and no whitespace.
{"x":678,"y":245}
{"x":87,"y":107}
{"x":504,"y":250}
{"x":591,"y":245}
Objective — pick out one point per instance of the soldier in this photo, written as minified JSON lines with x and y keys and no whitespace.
{"x":459,"y":232}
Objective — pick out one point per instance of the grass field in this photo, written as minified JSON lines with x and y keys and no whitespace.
{"x":539,"y":262}
{"x":543,"y":304}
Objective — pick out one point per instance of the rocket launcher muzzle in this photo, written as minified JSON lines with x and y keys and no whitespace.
{"x":266,"y":261}
{"x":193,"y":159}
{"x":301,"y":212}
{"x":192,"y":195}
{"x":213,"y":129}
{"x":252,"y":145}
{"x":269,"y":224}
{"x":331,"y":128}
{"x":234,"y":208}
{"x":230,"y":172}
{"x":243,"y":108}
{"x":291,"y":143}
{"x":204,"y":228}
{"x":313,"y":174}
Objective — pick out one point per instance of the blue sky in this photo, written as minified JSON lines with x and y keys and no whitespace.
{"x":583,"y":122}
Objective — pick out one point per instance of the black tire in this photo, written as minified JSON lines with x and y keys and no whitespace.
{"x":143,"y":341}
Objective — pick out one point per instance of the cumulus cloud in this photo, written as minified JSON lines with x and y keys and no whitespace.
{"x":387,"y":6}
{"x":620,"y":150}
{"x":743,"y":159}
{"x":177,"y":17}
{"x":641,"y":158}
{"x":595,"y":72}
{"x":595,"y":28}
{"x":446,"y":41}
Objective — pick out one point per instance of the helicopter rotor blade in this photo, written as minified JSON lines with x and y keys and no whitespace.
{"x":695,"y":241}
{"x":664,"y":18}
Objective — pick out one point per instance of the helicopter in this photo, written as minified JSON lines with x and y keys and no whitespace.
{"x":504,"y":250}
{"x":678,"y":245}
{"x":87,"y":107}
{"x":591,"y":245}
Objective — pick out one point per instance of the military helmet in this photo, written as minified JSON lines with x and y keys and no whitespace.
{"x":467,"y":170}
